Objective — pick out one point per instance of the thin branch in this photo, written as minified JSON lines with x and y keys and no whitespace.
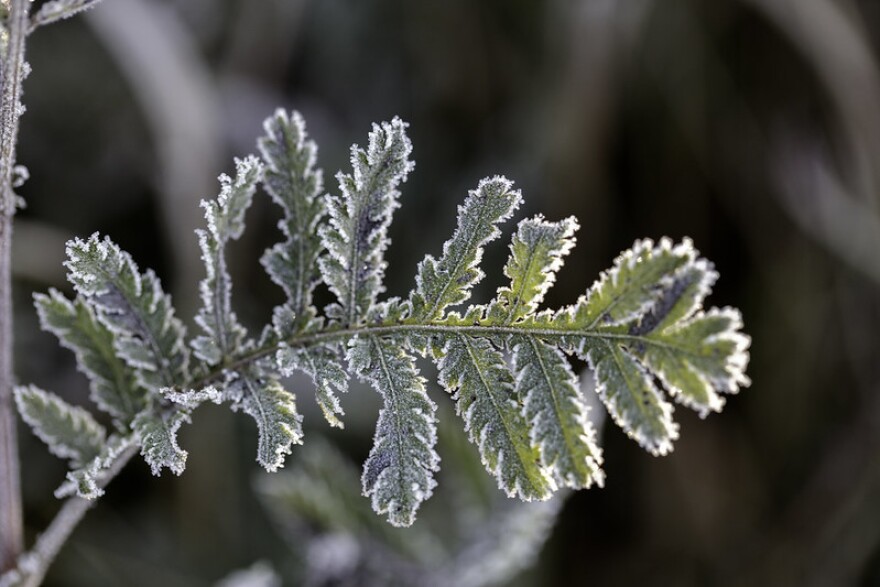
{"x":345,"y":334}
{"x":13,"y":70}
{"x":35,"y":563}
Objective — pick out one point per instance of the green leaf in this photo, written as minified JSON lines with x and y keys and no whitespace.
{"x":294,"y":183}
{"x":113,"y":386}
{"x":357,"y":235}
{"x":679,"y":296}
{"x":70,"y":432}
{"x":653,"y":327}
{"x":448,"y":281}
{"x":556,"y":413}
{"x":633,"y":400}
{"x":483,"y":390}
{"x":133,"y":307}
{"x":399,"y":473}
{"x":225,"y":217}
{"x":641,"y":325}
{"x":536,"y":254}
{"x":322,"y":364}
{"x":629,"y":289}
{"x":157,"y":436}
{"x":700,"y":358}
{"x":256,"y":391}
{"x":261,"y":396}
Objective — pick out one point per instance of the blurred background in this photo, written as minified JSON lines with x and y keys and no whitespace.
{"x":752,"y":126}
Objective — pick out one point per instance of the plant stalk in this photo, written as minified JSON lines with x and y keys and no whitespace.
{"x":340,"y":334}
{"x":40,"y":557}
{"x":13,"y":72}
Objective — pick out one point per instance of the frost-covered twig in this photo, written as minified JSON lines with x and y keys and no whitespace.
{"x":14,"y":70}
{"x":32,"y":566}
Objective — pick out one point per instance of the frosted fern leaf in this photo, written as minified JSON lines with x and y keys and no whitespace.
{"x":536,"y":253}
{"x":399,"y":473}
{"x":545,"y":384}
{"x":157,"y":437}
{"x":356,"y":236}
{"x":697,"y":357}
{"x":634,"y":284}
{"x":69,"y":431}
{"x":134,"y":308}
{"x":448,"y":281}
{"x":642,"y":320}
{"x":323,"y":365}
{"x":113,"y":386}
{"x":557,"y":415}
{"x":641,"y":327}
{"x":262,"y":397}
{"x":257,"y":392}
{"x":494,"y":419}
{"x":225,"y":216}
{"x":293,"y":183}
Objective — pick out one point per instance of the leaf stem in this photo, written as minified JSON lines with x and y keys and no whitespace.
{"x":343,"y":334}
{"x":66,"y":520}
{"x":13,"y":72}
